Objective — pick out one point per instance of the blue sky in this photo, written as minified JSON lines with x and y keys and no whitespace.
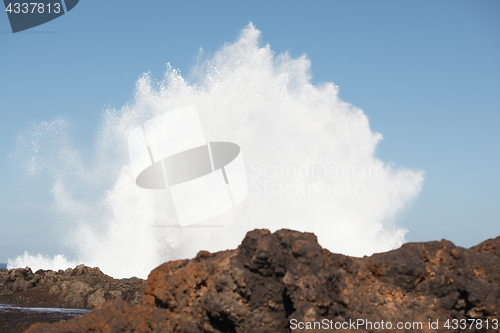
{"x":425,"y":73}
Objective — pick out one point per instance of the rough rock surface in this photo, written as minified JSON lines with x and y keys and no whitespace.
{"x":273,"y":279}
{"x":81,"y":288}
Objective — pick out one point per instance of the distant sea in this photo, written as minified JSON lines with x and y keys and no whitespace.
{"x":3,"y":265}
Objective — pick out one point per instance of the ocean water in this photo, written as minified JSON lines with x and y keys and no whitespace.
{"x":309,"y":156}
{"x":7,"y":308}
{"x":18,"y":319}
{"x":3,"y":265}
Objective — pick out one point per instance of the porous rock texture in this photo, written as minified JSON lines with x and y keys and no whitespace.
{"x":273,"y":279}
{"x":82,"y":288}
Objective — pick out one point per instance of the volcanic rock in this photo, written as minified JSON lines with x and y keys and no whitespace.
{"x":82,"y":288}
{"x":285,"y":282}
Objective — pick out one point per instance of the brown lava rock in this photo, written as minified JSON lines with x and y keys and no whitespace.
{"x":82,"y":288}
{"x":273,"y":280}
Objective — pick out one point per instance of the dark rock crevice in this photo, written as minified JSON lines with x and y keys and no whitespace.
{"x":221,"y":323}
{"x":287,"y":304}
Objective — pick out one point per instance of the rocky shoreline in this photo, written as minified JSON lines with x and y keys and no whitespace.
{"x":17,"y":319}
{"x":281,"y":282}
{"x":79,"y":288}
